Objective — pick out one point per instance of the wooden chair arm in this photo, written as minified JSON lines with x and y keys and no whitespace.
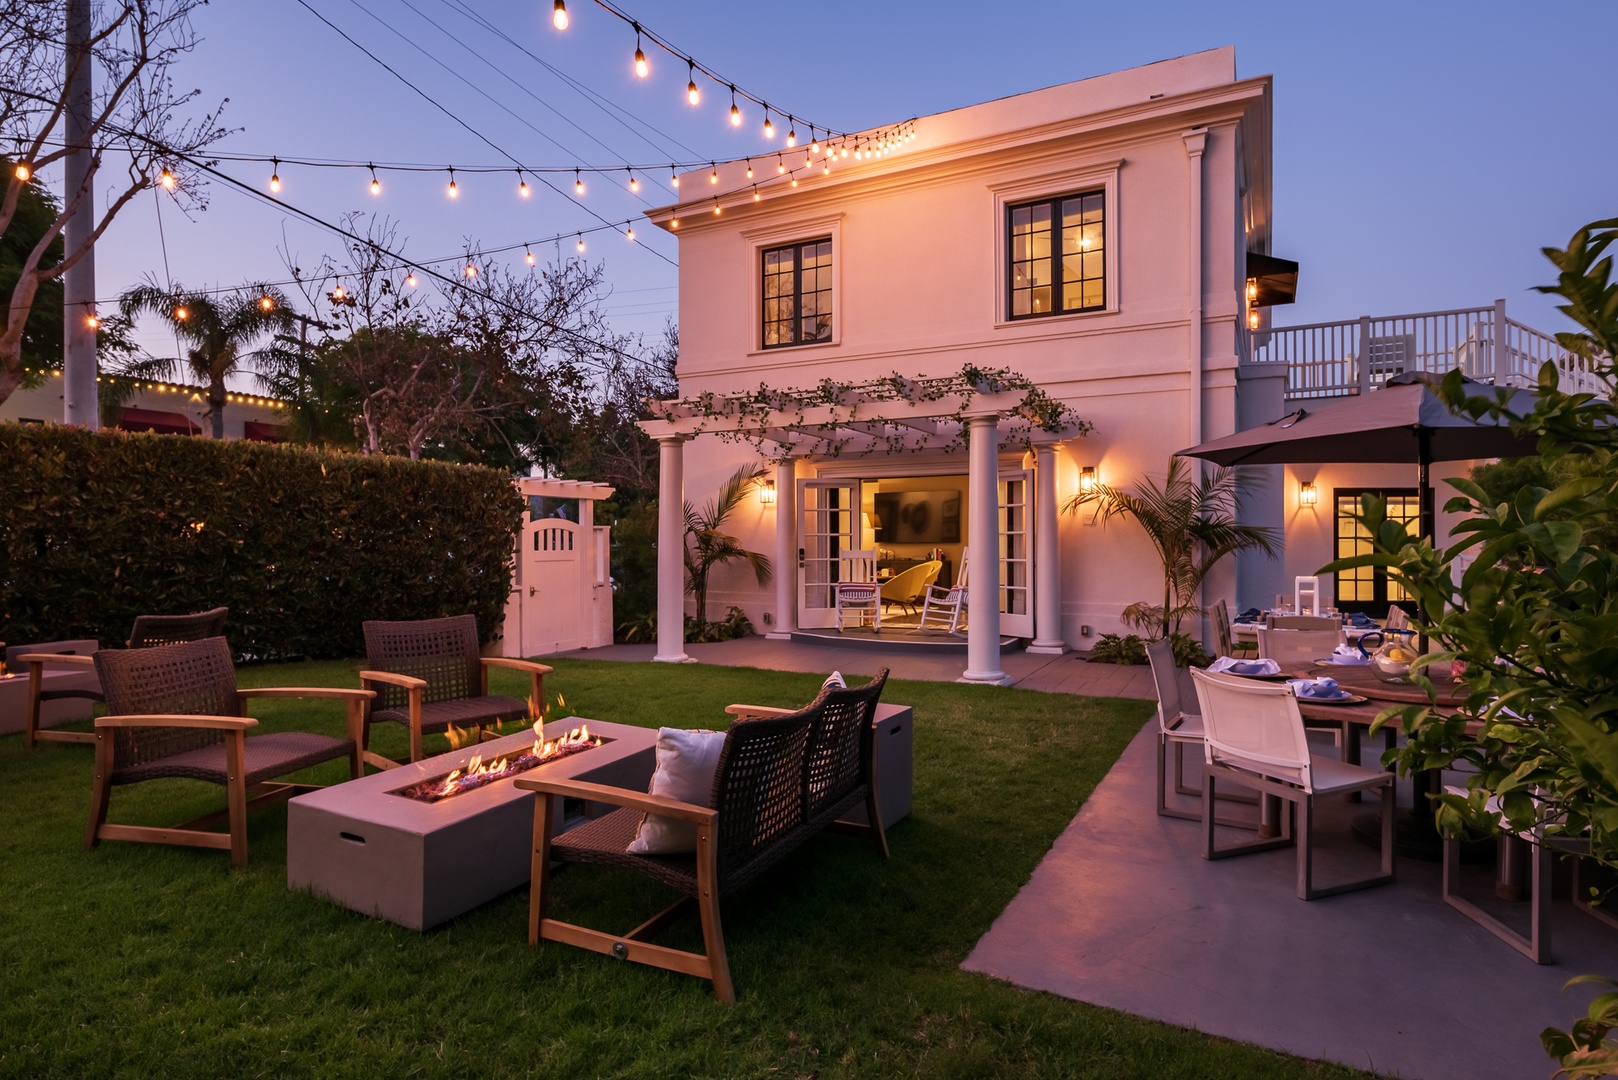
{"x":519,"y":665}
{"x":221,"y":723}
{"x":306,"y":692}
{"x":70,"y":659}
{"x":748,"y":712}
{"x":409,"y":682}
{"x":615,"y":796}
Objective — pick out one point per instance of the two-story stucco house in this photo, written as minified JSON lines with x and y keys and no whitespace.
{"x":1108,"y":239}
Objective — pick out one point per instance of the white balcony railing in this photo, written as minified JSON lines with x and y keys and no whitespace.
{"x":1354,"y":356}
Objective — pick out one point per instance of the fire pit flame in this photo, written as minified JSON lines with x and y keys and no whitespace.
{"x":479,"y":772}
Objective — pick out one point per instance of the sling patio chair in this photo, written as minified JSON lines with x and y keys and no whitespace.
{"x":428,"y":675}
{"x":1178,"y":728}
{"x":175,"y":712}
{"x":149,"y":630}
{"x":781,"y":777}
{"x":1254,"y":737}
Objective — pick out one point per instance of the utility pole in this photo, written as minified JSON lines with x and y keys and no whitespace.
{"x":80,"y":405}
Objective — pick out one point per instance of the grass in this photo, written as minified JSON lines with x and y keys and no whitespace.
{"x":142,"y":960}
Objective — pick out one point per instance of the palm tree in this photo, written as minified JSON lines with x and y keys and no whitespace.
{"x":707,"y":547}
{"x":1191,"y":522}
{"x":215,"y":330}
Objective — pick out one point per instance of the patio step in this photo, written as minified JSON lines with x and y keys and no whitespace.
{"x":907,"y":638}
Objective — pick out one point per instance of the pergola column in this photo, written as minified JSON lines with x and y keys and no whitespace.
{"x":983,"y":566}
{"x":671,"y":550}
{"x":786,"y":551}
{"x":1048,"y":640}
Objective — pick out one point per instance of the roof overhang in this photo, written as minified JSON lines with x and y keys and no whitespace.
{"x":1276,"y":280}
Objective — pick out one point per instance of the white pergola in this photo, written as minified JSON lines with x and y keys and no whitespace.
{"x":859,"y":424}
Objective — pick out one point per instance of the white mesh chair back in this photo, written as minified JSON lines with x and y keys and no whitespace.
{"x":1170,"y":707}
{"x":1297,"y":647}
{"x":1397,"y":619}
{"x":1254,"y":726}
{"x":1306,"y":595}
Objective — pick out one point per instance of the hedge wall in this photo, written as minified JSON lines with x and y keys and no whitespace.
{"x":301,"y":545}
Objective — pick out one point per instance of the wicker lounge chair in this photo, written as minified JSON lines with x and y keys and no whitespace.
{"x":783,"y":776}
{"x":149,"y":630}
{"x":428,"y":675}
{"x":174,"y":711}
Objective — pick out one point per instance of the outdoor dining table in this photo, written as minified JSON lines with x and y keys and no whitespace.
{"x":1248,"y":631}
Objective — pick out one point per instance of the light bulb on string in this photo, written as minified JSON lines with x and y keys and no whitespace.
{"x":716,"y":210}
{"x":92,"y":321}
{"x":581,"y":241}
{"x":578,"y":183}
{"x":376,"y":185}
{"x":559,"y":17}
{"x":630,"y":235}
{"x":167,"y":179}
{"x":808,"y":160}
{"x":674,"y":223}
{"x":780,"y":166}
{"x":522,"y":185}
{"x":337,"y":293}
{"x":634,"y":185}
{"x":769,"y":125}
{"x":642,"y":68}
{"x":750,"y":168}
{"x":794,"y":181}
{"x":755,"y":193}
{"x":713,"y":175}
{"x":24,"y":172}
{"x":181,"y":314}
{"x":692,"y":94}
{"x":453,"y":190}
{"x":792,"y":132}
{"x":845,"y":150}
{"x":814,"y":143}
{"x":674,"y":177}
{"x":471,"y":271}
{"x":265,"y":303}
{"x":410,"y":279}
{"x":528,"y":255}
{"x":735,"y":113}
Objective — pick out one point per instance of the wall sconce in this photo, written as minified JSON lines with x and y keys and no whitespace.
{"x":766,"y":493}
{"x":1087,"y":479}
{"x":1307,"y":495}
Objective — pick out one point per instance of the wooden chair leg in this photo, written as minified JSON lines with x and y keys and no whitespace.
{"x":415,"y":725}
{"x":236,"y":794}
{"x":713,"y":934}
{"x":873,"y":814}
{"x":101,"y":792}
{"x":36,"y":682}
{"x":540,"y":869}
{"x":354,"y":717}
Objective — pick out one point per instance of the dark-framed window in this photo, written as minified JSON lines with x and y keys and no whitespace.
{"x":797,"y":294}
{"x":1367,"y":588}
{"x":1056,"y":260}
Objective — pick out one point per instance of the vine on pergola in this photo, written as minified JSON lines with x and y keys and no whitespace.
{"x":760,"y":416}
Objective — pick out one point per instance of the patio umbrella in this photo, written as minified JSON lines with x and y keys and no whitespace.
{"x":1404,"y":421}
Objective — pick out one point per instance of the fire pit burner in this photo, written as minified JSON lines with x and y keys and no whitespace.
{"x":479,"y":772}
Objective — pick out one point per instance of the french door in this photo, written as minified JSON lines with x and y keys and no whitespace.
{"x":1016,"y":490}
{"x":827,"y":521}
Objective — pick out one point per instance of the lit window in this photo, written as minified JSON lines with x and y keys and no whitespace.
{"x":1367,"y":588}
{"x":1057,"y":262}
{"x":797,"y":294}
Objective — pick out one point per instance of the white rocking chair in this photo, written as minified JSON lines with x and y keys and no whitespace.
{"x":858,"y":590}
{"x":947,"y":603}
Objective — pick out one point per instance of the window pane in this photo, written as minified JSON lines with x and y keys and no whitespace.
{"x":1042,"y":298}
{"x":1019,"y":302}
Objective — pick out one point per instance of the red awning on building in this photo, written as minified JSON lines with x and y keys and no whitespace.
{"x":164,"y":423}
{"x":258,"y":431}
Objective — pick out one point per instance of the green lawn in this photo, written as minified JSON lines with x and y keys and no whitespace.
{"x":152,"y":961}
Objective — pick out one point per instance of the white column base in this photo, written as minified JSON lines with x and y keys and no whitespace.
{"x":1047,"y":648}
{"x":677,"y":658}
{"x":776,"y":636}
{"x":986,"y":678}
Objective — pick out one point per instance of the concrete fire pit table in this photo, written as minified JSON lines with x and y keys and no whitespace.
{"x":418,"y":864}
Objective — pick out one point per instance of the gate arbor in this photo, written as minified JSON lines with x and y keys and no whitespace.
{"x":561,"y":589}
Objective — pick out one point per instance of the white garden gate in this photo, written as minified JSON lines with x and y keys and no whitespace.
{"x":561,"y":588}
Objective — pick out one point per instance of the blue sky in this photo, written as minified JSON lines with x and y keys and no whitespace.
{"x":1423,"y":152}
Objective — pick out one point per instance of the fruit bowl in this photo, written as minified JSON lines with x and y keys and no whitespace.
{"x":1393,"y":665}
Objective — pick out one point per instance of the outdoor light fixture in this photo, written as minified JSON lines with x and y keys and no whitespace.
{"x":691,"y":93}
{"x":766,"y":493}
{"x":1252,"y":320}
{"x":1087,"y":479}
{"x":559,"y":15}
{"x":1252,"y":289}
{"x":1307,"y":495}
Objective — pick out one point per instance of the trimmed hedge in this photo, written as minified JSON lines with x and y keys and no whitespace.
{"x":301,"y":545}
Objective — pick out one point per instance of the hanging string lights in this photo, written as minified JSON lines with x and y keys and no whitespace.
{"x":634,"y":185}
{"x":769,"y":128}
{"x":275,"y":176}
{"x":559,"y":17}
{"x":528,"y":256}
{"x":792,"y":132}
{"x":735,"y":113}
{"x":24,"y":172}
{"x":376,"y":185}
{"x":581,"y":242}
{"x":167,"y":179}
{"x":578,"y":183}
{"x":692,"y":94}
{"x":453,"y":190}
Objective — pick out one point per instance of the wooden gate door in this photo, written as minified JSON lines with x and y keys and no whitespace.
{"x":555,"y":576}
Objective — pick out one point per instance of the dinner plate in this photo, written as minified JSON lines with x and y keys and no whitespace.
{"x":1346,"y":699}
{"x":1328,"y":661}
{"x":1277,"y":676}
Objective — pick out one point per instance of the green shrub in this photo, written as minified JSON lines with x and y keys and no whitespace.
{"x":1131,"y":649}
{"x":301,"y":545}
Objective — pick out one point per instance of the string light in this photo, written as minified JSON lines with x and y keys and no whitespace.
{"x":814,"y":143}
{"x":713,"y":176}
{"x":691,"y":93}
{"x":735,"y":113}
{"x":181,"y":314}
{"x":750,"y":168}
{"x":559,"y":15}
{"x":471,"y":271}
{"x":410,"y":279}
{"x":769,"y":126}
{"x":265,"y":303}
{"x":527,"y":255}
{"x":24,"y":172}
{"x":630,"y":235}
{"x":674,"y":177}
{"x":167,"y":179}
{"x":642,"y":68}
{"x":755,"y":193}
{"x":780,"y":166}
{"x":453,"y":190}
{"x":792,"y":132}
{"x":522,"y":185}
{"x":634,"y":185}
{"x":716,"y":210}
{"x":92,"y":322}
{"x":578,"y":183}
{"x":376,"y":185}
{"x":581,"y":241}
{"x":674,"y":223}
{"x":337,"y":293}
{"x":275,"y":176}
{"x":794,"y":181}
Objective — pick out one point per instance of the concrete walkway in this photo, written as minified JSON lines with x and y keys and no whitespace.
{"x":1124,"y":913}
{"x":1067,"y":674}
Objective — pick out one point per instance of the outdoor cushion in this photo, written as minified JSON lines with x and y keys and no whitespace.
{"x":835,"y":681}
{"x":462,"y":712}
{"x":686,"y":762}
{"x":268,"y":756}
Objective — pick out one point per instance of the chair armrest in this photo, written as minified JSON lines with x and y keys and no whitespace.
{"x":306,"y":692}
{"x":222,"y":723}
{"x":614,"y":796}
{"x":409,"y":682}
{"x":70,"y":659}
{"x":518,"y":665}
{"x":747,"y":712}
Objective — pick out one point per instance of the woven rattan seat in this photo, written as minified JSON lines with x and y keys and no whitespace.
{"x":428,"y":675}
{"x":175,"y":712}
{"x":783,"y":775}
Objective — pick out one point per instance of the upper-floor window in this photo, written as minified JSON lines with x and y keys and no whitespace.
{"x":797,"y":294}
{"x":1057,"y":264}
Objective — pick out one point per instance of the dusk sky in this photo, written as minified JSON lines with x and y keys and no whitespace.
{"x":1423,"y":153}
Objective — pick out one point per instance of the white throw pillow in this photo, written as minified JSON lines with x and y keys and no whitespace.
{"x":834,"y":681}
{"x":686,"y":762}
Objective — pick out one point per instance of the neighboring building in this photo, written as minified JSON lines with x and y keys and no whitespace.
{"x":163,"y":407}
{"x":1111,"y":239}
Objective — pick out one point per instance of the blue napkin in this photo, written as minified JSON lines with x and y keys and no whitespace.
{"x":1250,"y":667}
{"x":1360,"y":619}
{"x":1317,"y":688}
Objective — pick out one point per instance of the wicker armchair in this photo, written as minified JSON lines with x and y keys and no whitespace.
{"x":783,"y":775}
{"x":149,"y":630}
{"x":174,"y":711}
{"x":428,"y":675}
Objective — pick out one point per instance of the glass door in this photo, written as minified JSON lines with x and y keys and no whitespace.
{"x":827,"y":523}
{"x":1016,"y":568}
